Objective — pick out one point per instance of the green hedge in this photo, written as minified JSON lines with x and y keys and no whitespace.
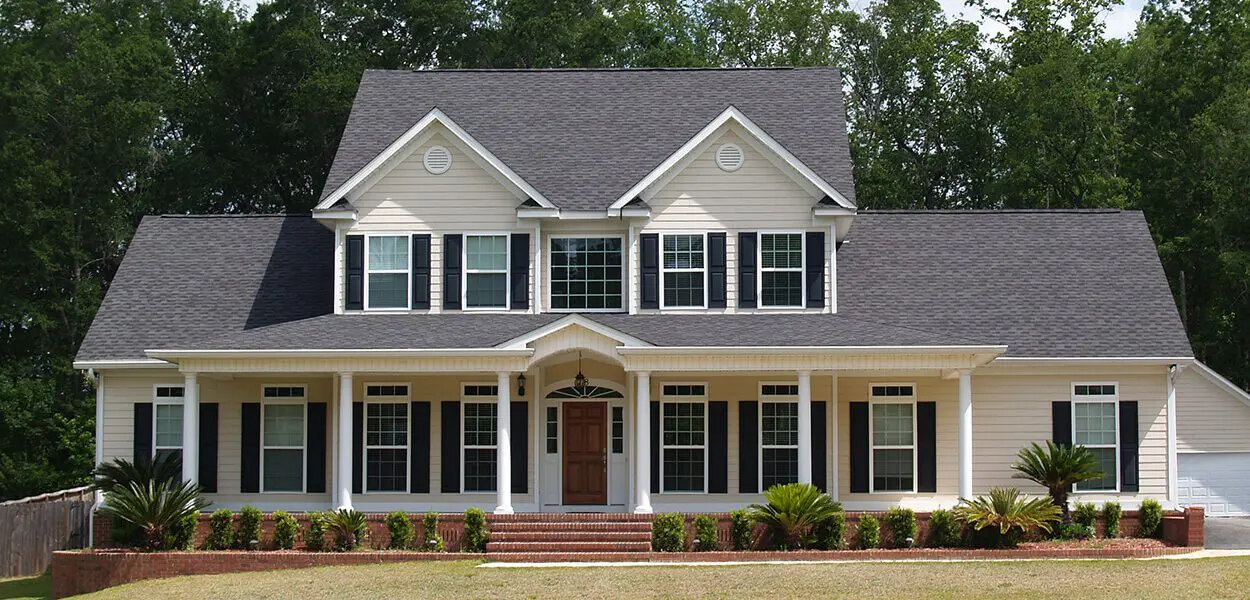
{"x":668,"y":533}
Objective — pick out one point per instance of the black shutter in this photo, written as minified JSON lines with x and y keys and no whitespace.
{"x":358,"y":447}
{"x":926,"y":447}
{"x":815,"y":269}
{"x":315,"y":461}
{"x":748,"y":447}
{"x":249,"y":471}
{"x":820,"y":452}
{"x":419,"y":446}
{"x":655,"y":448}
{"x":1061,"y":423}
{"x":519,"y":434}
{"x":355,"y":280}
{"x":143,"y":432}
{"x":451,"y":448}
{"x":1129,"y":481}
{"x":208,"y":447}
{"x":649,"y":270}
{"x":717,"y":270}
{"x":519,"y":271}
{"x":859,"y":447}
{"x":421,"y":271}
{"x":452,"y":254}
{"x":718,"y":447}
{"x":747,"y":274}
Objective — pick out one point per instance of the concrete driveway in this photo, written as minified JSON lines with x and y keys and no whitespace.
{"x":1227,"y":533}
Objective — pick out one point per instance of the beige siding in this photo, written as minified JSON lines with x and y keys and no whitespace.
{"x":1209,"y":418}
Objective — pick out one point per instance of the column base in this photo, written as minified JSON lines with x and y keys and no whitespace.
{"x":504,"y":510}
{"x":643,"y":510}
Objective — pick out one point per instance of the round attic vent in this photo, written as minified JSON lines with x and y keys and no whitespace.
{"x":437,"y":160}
{"x":729,"y":157}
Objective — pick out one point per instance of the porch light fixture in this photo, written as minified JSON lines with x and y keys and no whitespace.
{"x":580,"y":383}
{"x":520,"y":385}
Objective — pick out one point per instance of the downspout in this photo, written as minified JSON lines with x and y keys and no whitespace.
{"x":99,"y":449}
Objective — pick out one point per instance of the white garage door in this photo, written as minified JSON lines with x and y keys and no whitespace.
{"x":1219,"y":482}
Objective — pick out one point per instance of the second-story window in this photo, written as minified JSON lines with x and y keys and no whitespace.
{"x":684,"y":271}
{"x":387,"y":266}
{"x":486,"y":271}
{"x":586,"y":273}
{"x":781,"y":270}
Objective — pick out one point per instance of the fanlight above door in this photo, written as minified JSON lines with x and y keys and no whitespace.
{"x":590,"y":391}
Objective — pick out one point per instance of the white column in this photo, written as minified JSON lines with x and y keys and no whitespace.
{"x":965,"y":434}
{"x":538,"y":266}
{"x":345,"y":440}
{"x":334,"y":438}
{"x":642,"y":444}
{"x":805,"y":427}
{"x":503,"y":448}
{"x":191,"y":429}
{"x":833,"y":435}
{"x":1173,"y":372}
{"x":99,"y":430}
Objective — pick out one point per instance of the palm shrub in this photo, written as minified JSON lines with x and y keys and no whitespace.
{"x":668,"y":533}
{"x":220,"y":530}
{"x":350,"y":527}
{"x":247,"y":533}
{"x":793,"y":511}
{"x":155,"y":508}
{"x":868,"y":534}
{"x":1056,"y":467}
{"x":1150,"y":518}
{"x":315,"y":537}
{"x":122,"y":473}
{"x":704,"y":533}
{"x":831,"y":535}
{"x":945,"y":530}
{"x":1111,"y":513}
{"x":401,"y":530}
{"x":433,"y":542}
{"x":285,"y":530}
{"x":475,"y":533}
{"x":1006,"y":515}
{"x":902,"y":525}
{"x":741,"y":529}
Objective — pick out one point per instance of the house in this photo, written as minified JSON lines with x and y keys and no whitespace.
{"x":644,"y":290}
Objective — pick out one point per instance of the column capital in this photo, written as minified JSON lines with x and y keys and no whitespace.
{"x":804,"y":373}
{"x":345,"y":374}
{"x":641,"y":373}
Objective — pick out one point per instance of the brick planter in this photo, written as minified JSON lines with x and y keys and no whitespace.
{"x":848,"y":555}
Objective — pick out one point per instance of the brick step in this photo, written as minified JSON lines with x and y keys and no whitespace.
{"x":567,"y":547}
{"x":570,"y":536}
{"x":569,"y":518}
{"x":548,"y":557}
{"x":571,"y":526}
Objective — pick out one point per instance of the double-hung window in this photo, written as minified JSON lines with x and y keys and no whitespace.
{"x":486,"y":271}
{"x":167,"y":420}
{"x":779,"y":434}
{"x":481,"y":441}
{"x":386,"y":438}
{"x":283,"y":438}
{"x":387,"y":265}
{"x":1095,"y":425}
{"x":892,"y":430}
{"x":683,"y":271}
{"x":684,"y":449}
{"x":586,"y":273}
{"x":781,"y":270}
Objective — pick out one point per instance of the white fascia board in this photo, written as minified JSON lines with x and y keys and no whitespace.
{"x":139,"y":363}
{"x":432,"y":117}
{"x":735,"y":115}
{"x":833,"y":211}
{"x":345,"y":353}
{"x":1220,"y":381}
{"x":635,"y":213}
{"x":335,"y":215}
{"x":791,"y":350}
{"x":529,"y":212}
{"x":1095,"y":360}
{"x":522,"y":340}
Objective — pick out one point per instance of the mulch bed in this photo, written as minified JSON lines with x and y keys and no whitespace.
{"x":1098,"y":544}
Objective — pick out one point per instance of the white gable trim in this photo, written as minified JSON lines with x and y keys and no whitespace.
{"x":1222,"y":382}
{"x":402,"y":142}
{"x":735,"y":115}
{"x":546,"y":330}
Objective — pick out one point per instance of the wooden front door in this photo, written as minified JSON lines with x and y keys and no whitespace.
{"x":586,"y":453}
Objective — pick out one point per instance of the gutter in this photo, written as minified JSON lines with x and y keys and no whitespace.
{"x":791,"y":350}
{"x":1095,"y":360}
{"x":342,"y":353}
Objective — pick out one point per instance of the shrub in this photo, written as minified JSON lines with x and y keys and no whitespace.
{"x":1151,"y":517}
{"x":902,"y":525}
{"x":945,"y":530}
{"x":831,"y":535}
{"x":868,"y":534}
{"x":1006,"y":515}
{"x":401,"y":530}
{"x":431,"y":540}
{"x":350,"y":528}
{"x":668,"y":533}
{"x":220,"y":530}
{"x":155,"y":509}
{"x":1085,"y":514}
{"x":475,"y":534}
{"x":183,"y":535}
{"x":1075,"y":531}
{"x":793,"y":511}
{"x":741,"y":529}
{"x":704,"y":533}
{"x":285,"y":530}
{"x":1056,"y":467}
{"x":248,"y":531}
{"x":315,"y":538}
{"x":1111,"y":513}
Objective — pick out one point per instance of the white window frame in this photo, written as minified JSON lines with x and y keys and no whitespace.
{"x":303,"y":402}
{"x":1114,"y":400}
{"x":467,"y":399}
{"x":873,"y":447}
{"x":465,"y":271}
{"x":158,"y":401}
{"x":802,"y":269}
{"x":407,"y":272}
{"x":773,"y":399}
{"x":405,"y":399}
{"x":665,"y":271}
{"x":667,"y":399}
{"x":624,"y":272}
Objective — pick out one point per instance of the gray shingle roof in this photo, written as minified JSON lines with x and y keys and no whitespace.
{"x":584,"y":137}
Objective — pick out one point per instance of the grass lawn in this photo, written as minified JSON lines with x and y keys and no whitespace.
{"x":25,"y":588}
{"x":1139,"y":580}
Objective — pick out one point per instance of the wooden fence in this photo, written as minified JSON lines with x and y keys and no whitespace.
{"x":31,"y":528}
